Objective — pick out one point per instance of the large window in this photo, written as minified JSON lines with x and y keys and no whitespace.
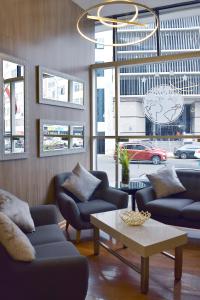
{"x":157,"y":119}
{"x":156,"y":112}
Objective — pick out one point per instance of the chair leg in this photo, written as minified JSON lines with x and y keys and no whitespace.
{"x":67,"y":226}
{"x":78,"y":236}
{"x":66,"y":229}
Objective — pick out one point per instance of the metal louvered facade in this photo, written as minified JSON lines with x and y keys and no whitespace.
{"x":176,"y":35}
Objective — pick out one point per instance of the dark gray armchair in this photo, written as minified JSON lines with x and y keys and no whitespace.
{"x":77,"y":213}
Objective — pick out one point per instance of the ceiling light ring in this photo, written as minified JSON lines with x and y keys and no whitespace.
{"x":119,"y":25}
{"x":117,"y":44}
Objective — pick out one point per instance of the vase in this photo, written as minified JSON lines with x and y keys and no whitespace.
{"x":125,"y":175}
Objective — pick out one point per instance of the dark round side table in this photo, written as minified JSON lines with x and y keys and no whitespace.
{"x":133,"y":187}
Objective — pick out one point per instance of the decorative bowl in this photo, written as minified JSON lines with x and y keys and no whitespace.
{"x":134,"y":218}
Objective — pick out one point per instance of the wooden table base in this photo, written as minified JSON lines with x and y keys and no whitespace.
{"x":144,"y":270}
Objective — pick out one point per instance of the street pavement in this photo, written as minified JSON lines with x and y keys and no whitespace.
{"x":139,"y":169}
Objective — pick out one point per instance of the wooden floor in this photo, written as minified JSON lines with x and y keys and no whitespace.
{"x":110,"y":279}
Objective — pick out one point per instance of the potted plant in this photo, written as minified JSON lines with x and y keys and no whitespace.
{"x":124,"y":160}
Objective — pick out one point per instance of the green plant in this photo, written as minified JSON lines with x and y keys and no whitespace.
{"x":123,"y":157}
{"x":124,"y":160}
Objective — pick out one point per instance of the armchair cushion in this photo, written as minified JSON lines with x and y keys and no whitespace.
{"x":56,"y":250}
{"x":167,"y":207}
{"x":192,"y":211}
{"x":81,"y":183}
{"x":46,"y":234}
{"x":94,"y":206}
{"x":17,"y":210}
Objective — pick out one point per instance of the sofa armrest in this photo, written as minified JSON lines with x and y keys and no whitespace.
{"x":144,"y":196}
{"x":69,"y":210}
{"x":44,"y":215}
{"x":114,"y":196}
{"x":51,"y":278}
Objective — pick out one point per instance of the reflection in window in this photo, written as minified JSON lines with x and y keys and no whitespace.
{"x":77,"y":140}
{"x":60,"y":138}
{"x":14,"y":108}
{"x":77,"y":92}
{"x":54,"y":88}
{"x":100,"y":105}
{"x":55,"y":137}
{"x":54,"y":143}
{"x":12,"y":70}
{"x":99,"y":72}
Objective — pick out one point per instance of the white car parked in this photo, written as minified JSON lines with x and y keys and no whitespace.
{"x":197,"y":153}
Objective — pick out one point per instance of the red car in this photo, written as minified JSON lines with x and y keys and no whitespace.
{"x":141,"y":152}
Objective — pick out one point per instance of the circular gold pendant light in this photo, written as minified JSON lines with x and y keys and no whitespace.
{"x":88,"y":14}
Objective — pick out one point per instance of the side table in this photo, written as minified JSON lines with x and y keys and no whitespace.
{"x":133,"y":187}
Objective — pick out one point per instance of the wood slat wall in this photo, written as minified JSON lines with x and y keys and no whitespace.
{"x":43,"y":32}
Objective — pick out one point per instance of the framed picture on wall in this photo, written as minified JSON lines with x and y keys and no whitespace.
{"x":56,"y":88}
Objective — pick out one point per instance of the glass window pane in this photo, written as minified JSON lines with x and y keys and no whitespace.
{"x":54,"y":88}
{"x":103,"y":53}
{"x":14,"y":107}
{"x":106,"y":158}
{"x":160,"y":98}
{"x":77,"y":92}
{"x":54,"y":143}
{"x":55,"y":137}
{"x":7,"y":109}
{"x":18,"y":145}
{"x":7,"y":145}
{"x":55,"y":129}
{"x":77,"y":143}
{"x":77,"y":140}
{"x":134,"y":34}
{"x":12,"y":70}
{"x":180,"y":31}
{"x":105,"y":104}
{"x":18,"y":109}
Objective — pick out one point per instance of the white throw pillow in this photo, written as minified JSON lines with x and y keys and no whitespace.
{"x":165,"y":182}
{"x":17,"y":210}
{"x":81,"y":183}
{"x":14,"y":240}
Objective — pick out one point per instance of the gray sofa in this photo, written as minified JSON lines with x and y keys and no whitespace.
{"x":182,"y":209}
{"x":58,"y":272}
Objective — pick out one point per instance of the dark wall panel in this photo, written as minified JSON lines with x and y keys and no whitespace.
{"x":43,"y":32}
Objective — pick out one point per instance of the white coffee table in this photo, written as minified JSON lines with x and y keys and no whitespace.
{"x":150,"y":238}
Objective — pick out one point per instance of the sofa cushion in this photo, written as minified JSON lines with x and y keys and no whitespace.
{"x":192,"y":211}
{"x":46,"y":234}
{"x":167,"y":207}
{"x":81,"y":183}
{"x":56,"y":250}
{"x":17,"y":210}
{"x":165,"y":182}
{"x":94,"y":206}
{"x":15,"y":241}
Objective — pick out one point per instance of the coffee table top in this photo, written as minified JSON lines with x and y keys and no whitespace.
{"x":147,"y":239}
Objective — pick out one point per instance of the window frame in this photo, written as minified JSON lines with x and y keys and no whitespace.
{"x":116,"y":65}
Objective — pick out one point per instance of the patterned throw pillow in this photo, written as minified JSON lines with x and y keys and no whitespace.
{"x":15,"y":241}
{"x":17,"y":210}
{"x":81,"y":183}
